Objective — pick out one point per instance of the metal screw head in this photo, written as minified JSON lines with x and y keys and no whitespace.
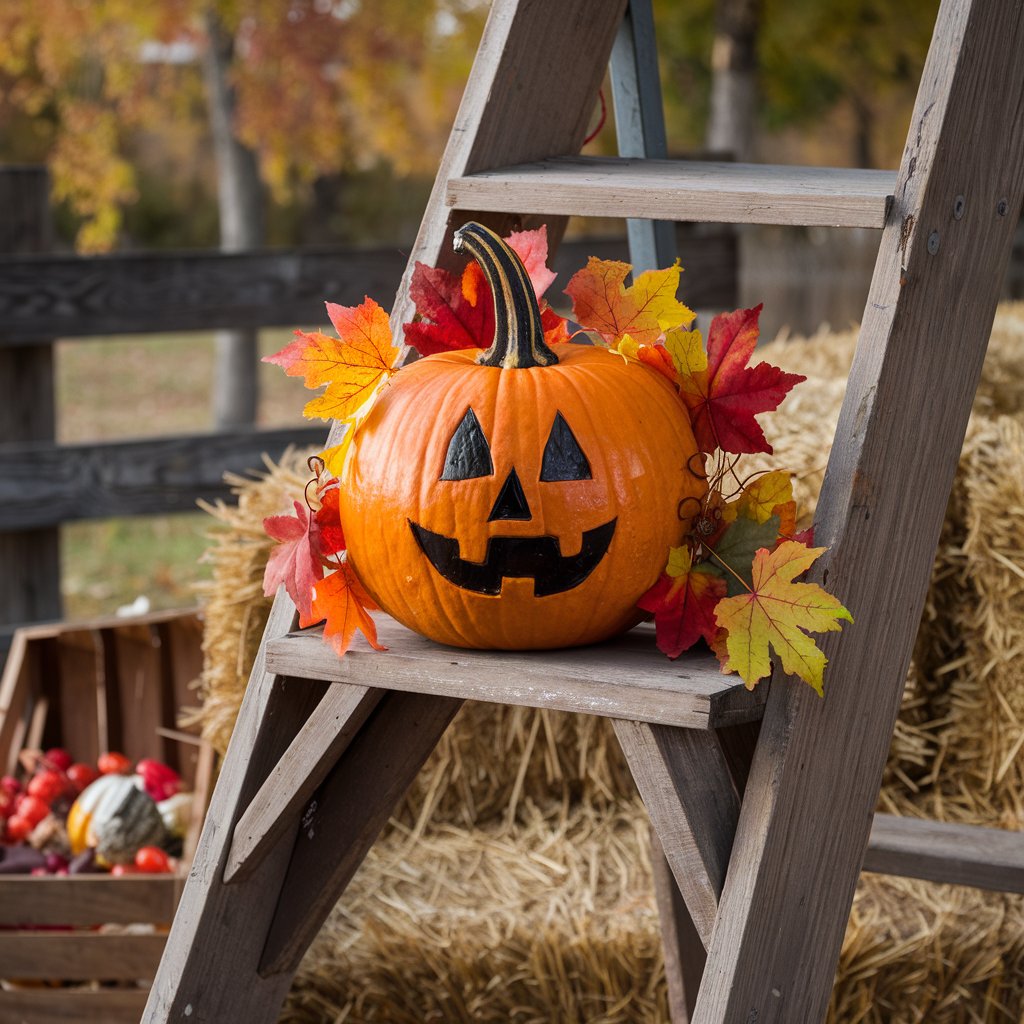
{"x":1002,"y":207}
{"x":933,"y":242}
{"x":959,"y":205}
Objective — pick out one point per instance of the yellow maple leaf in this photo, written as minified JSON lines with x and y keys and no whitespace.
{"x":762,"y":496}
{"x":779,"y":613}
{"x":353,"y":366}
{"x":646,"y":309}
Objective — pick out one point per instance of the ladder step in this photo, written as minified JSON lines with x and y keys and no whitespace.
{"x":681,"y":190}
{"x":938,"y":851}
{"x":623,"y":678}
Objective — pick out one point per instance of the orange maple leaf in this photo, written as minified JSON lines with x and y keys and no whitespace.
{"x":657,"y":357}
{"x":341,"y":601}
{"x":645,"y":310}
{"x":353,"y":366}
{"x":779,"y":613}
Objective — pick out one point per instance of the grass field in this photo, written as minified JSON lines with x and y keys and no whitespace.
{"x":142,"y":386}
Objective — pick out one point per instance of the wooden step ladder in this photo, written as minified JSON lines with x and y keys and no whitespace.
{"x":762,"y":802}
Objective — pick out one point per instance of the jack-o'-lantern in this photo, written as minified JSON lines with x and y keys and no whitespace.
{"x":521,"y":497}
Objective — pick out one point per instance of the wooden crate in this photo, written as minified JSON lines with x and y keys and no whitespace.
{"x":115,"y":684}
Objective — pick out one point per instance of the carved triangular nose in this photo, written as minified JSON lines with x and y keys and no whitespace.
{"x":511,"y":502}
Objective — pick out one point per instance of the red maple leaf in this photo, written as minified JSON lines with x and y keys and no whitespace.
{"x":295,"y":561}
{"x":344,"y":605}
{"x":458,"y":312}
{"x":684,"y":608}
{"x":724,"y":397}
{"x":328,"y":519}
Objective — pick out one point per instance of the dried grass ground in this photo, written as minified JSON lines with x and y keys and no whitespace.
{"x":514,"y":884}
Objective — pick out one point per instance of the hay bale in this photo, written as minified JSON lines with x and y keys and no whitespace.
{"x":514,"y":885}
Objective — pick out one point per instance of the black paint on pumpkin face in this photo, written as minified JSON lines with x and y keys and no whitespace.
{"x":511,"y":502}
{"x":563,"y":456}
{"x":516,"y":558}
{"x":468,"y":455}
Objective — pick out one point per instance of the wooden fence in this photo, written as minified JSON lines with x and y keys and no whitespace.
{"x":45,"y":296}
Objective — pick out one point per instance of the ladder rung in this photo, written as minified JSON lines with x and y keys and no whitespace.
{"x":986,"y":858}
{"x":624,"y":678}
{"x":682,"y":190}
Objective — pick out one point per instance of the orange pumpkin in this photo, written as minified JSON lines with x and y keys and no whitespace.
{"x":523,"y":497}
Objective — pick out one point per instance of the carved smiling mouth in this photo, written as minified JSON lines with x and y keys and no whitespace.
{"x":516,"y":557}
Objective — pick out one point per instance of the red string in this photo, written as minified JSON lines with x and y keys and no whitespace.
{"x":600,"y":124}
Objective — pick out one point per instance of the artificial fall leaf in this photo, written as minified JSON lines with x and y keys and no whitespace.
{"x":458,"y":312}
{"x":734,"y":553}
{"x":353,"y":366}
{"x":724,"y":394}
{"x":778,"y":613}
{"x":340,"y":600}
{"x":295,"y":561}
{"x":328,"y":519}
{"x":645,"y":310}
{"x":767,"y":496}
{"x":683,"y":602}
{"x":655,"y":356}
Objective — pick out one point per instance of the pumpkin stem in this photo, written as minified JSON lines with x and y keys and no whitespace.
{"x":518,"y":334}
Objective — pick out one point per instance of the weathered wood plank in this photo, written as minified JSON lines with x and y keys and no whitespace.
{"x":684,"y":780}
{"x":30,"y":581}
{"x":304,"y":765}
{"x":87,"y":900}
{"x":640,"y":125}
{"x":84,"y":296}
{"x":685,"y":954}
{"x":50,"y":484}
{"x":347,"y":814}
{"x":808,"y":804}
{"x":725,"y":193}
{"x":140,"y":293}
{"x":72,"y":1005}
{"x":79,"y":957}
{"x":985,"y":858}
{"x":624,"y":678}
{"x":209,"y":965}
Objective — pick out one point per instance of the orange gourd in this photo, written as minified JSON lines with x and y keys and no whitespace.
{"x":522,"y":497}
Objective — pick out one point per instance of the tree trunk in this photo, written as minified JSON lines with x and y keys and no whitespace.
{"x":732,"y":120}
{"x":240,"y":199}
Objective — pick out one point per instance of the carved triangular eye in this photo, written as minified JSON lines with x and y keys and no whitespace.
{"x":563,"y":456}
{"x":468,"y":453}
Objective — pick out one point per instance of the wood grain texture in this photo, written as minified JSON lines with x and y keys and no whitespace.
{"x":79,"y":957}
{"x":685,"y":954}
{"x":72,"y":1006}
{"x":30,"y":555}
{"x":346,"y":816}
{"x":624,"y":678}
{"x":43,"y":484}
{"x":208,"y":971}
{"x":303,"y":766}
{"x":87,"y":900}
{"x":82,"y":296}
{"x":640,"y":125}
{"x":985,"y":858}
{"x":725,"y":193}
{"x":808,"y":805}
{"x":684,"y":780}
{"x":78,"y":296}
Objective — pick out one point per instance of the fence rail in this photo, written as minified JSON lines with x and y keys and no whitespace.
{"x":44,"y":297}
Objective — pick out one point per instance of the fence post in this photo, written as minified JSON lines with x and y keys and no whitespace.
{"x":29,"y":559}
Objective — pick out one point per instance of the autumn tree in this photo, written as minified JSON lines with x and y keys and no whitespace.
{"x":293,"y":89}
